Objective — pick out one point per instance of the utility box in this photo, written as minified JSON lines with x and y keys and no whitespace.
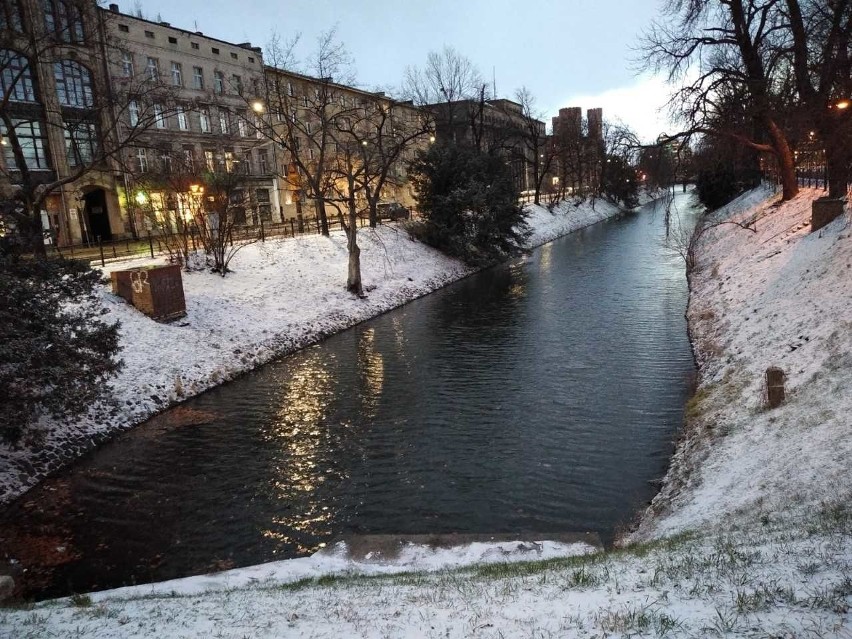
{"x":157,"y":291}
{"x":825,"y":210}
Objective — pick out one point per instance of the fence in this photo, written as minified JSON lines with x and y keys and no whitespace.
{"x":153,"y":244}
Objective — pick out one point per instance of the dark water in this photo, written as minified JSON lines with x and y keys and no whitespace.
{"x":538,"y":396}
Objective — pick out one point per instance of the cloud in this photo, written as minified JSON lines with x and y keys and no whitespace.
{"x":641,"y":106}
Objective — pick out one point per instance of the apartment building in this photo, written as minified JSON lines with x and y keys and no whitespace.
{"x":318,"y":124}
{"x":208,"y":117}
{"x":54,"y":88}
{"x":491,"y":125}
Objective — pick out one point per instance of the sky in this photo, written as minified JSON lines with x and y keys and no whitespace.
{"x":567,"y":52}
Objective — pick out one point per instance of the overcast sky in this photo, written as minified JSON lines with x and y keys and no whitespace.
{"x":567,"y":52}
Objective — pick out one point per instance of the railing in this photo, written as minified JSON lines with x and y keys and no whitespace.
{"x":154,"y":243}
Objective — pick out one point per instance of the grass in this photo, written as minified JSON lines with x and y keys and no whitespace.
{"x":753,"y":578}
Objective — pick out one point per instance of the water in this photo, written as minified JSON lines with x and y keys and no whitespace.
{"x":538,"y":396}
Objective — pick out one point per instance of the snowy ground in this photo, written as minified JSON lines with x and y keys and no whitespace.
{"x":779,"y":297}
{"x":751,"y":535}
{"x":282,"y":296}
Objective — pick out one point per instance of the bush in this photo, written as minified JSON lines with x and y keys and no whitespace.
{"x":55,"y":354}
{"x":468,"y":204}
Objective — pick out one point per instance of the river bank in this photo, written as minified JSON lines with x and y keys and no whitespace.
{"x":282,"y":296}
{"x":751,"y":535}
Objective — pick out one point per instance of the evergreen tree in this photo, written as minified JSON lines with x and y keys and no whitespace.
{"x":55,"y":352}
{"x":468,"y":204}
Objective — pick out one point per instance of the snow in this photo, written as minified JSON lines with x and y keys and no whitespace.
{"x":282,"y":295}
{"x":750,"y":536}
{"x":779,"y":297}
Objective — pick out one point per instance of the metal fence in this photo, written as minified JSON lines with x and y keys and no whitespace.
{"x":154,"y":243}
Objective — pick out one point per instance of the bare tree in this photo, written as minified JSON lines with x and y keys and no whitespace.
{"x":538,"y":150}
{"x":305,"y":109}
{"x":718,"y":48}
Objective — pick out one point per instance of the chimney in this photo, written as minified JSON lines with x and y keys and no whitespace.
{"x":114,"y":8}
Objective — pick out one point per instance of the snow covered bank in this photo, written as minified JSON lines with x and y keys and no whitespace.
{"x":772,"y":580}
{"x":780,"y":296}
{"x":283,"y":295}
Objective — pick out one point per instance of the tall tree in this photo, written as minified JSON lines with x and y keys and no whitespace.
{"x":722,"y":47}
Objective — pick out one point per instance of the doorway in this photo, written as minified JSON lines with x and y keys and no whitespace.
{"x":97,"y":216}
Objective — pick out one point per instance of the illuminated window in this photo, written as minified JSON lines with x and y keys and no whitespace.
{"x":31,"y":142}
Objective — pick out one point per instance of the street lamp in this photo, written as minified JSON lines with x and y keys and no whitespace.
{"x":842,"y":105}
{"x":257,"y":106}
{"x":141,"y":198}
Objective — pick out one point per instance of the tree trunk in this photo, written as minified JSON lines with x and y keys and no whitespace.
{"x":35,"y":233}
{"x":374,"y":212}
{"x":321,"y":215}
{"x":786,"y":161}
{"x":353,"y":281}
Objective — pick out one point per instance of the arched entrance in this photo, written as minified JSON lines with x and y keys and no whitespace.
{"x":97,"y":217}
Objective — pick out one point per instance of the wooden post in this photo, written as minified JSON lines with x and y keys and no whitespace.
{"x":262,"y":234}
{"x":774,"y":387}
{"x":151,"y":244}
{"x":101,"y":249}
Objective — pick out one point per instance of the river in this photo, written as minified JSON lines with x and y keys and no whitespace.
{"x":542,"y":395}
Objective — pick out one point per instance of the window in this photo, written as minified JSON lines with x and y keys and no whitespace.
{"x":16,"y":79}
{"x":133,"y":111}
{"x":64,"y":20}
{"x":237,"y":84}
{"x":149,"y":34}
{"x":223,"y":121}
{"x":291,"y":90}
{"x":204,"y":120}
{"x":194,"y":45}
{"x":141,"y":160}
{"x":215,"y":50}
{"x":219,"y":82}
{"x":73,"y":84}
{"x":153,"y":69}
{"x":172,"y":40}
{"x":166,"y":160}
{"x":188,"y":159}
{"x":123,"y":28}
{"x":264,"y":206}
{"x":183,"y":123}
{"x":197,"y":78}
{"x":31,"y":141}
{"x":127,"y":64}
{"x":81,"y":143}
{"x":262,"y":161}
{"x":10,"y":16}
{"x":245,"y":165}
{"x":177,"y":74}
{"x":258,"y":127}
{"x":234,"y":56}
{"x":210,"y":161}
{"x":159,"y":118}
{"x":241,"y":124}
{"x":229,"y":161}
{"x":251,"y":60}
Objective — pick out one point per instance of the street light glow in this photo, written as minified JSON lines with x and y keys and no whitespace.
{"x":843,"y":104}
{"x":257,"y":106}
{"x":141,"y":198}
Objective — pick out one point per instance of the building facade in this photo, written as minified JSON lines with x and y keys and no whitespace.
{"x":324,"y":131}
{"x":578,"y":149}
{"x":55,"y":114}
{"x":497,"y":125}
{"x":202,"y":97}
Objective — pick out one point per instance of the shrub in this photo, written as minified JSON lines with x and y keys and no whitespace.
{"x":55,"y":352}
